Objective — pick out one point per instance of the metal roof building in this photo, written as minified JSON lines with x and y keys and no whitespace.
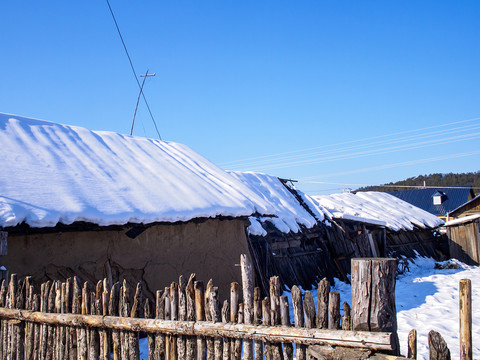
{"x":437,"y":201}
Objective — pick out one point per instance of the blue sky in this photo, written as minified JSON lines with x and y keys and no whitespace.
{"x":339,"y":88}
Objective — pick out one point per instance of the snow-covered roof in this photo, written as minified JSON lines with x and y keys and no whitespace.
{"x":463,"y":220}
{"x":378,"y":208}
{"x":289,"y":213}
{"x":54,"y":173}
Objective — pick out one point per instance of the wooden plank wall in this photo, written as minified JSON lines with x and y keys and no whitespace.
{"x":464,"y":242}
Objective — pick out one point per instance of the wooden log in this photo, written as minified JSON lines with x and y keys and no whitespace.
{"x":438,"y":348}
{"x":93,"y":334}
{"x":10,"y":346}
{"x":373,"y":296}
{"x":285,"y":321}
{"x":381,"y":341}
{"x":36,"y":329}
{"x":62,"y":336}
{"x":113,"y":310}
{"x":150,"y":337}
{"x":200,"y":315}
{"x":247,"y":286}
{"x":466,"y":319}
{"x":234,"y":306}
{"x":309,"y":310}
{"x":347,"y":317}
{"x":174,"y":317}
{"x":191,"y":346}
{"x":124,"y":310}
{"x":226,"y":341}
{"x":133,"y":340}
{"x":215,"y":314}
{"x":20,"y":327}
{"x":3,"y":323}
{"x":267,"y":321}
{"x":234,"y":301}
{"x":70,"y":333}
{"x":257,"y":319}
{"x":257,"y":306}
{"x":334,"y":310}
{"x":105,"y":343}
{"x":82,"y":350}
{"x":30,"y":331}
{"x":412,"y":344}
{"x":238,"y":345}
{"x":182,"y":316}
{"x":208,"y":317}
{"x":160,"y":315}
{"x":168,"y":316}
{"x":298,"y":319}
{"x":45,"y":289}
{"x":275,"y":292}
{"x":322,"y":303}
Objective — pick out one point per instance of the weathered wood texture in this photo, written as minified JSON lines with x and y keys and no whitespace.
{"x":373,"y":296}
{"x":466,"y":319}
{"x":464,"y":242}
{"x":74,"y":320}
{"x":438,"y":348}
{"x":412,"y":344}
{"x":3,"y":243}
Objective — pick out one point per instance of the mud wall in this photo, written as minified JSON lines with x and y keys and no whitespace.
{"x":157,"y":256}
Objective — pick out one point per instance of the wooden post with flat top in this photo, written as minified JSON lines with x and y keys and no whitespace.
{"x":373,"y":297}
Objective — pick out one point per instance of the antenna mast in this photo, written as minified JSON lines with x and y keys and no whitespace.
{"x":138,"y":99}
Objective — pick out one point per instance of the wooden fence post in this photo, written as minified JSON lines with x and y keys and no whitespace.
{"x":248,"y":288}
{"x":466,"y":319}
{"x":373,"y":297}
{"x":412,"y":344}
{"x":437,"y":346}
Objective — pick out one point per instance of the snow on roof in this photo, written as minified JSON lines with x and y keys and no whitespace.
{"x":463,"y":220}
{"x":56,"y":173}
{"x":289,"y":213}
{"x":378,"y":208}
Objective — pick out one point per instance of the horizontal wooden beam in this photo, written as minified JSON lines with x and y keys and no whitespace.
{"x":275,"y":334}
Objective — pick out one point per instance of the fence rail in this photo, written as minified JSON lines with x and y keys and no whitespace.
{"x":70,"y":320}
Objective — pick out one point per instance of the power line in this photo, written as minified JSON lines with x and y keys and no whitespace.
{"x":279,"y":161}
{"x":248,"y":160}
{"x":390,"y":166}
{"x":395,"y":186}
{"x":378,"y":151}
{"x":133,"y":68}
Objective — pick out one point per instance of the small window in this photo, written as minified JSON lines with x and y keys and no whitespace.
{"x":438,"y":198}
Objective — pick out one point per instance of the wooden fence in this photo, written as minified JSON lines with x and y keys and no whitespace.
{"x":70,"y":320}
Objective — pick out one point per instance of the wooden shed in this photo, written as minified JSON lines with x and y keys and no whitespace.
{"x":464,"y":239}
{"x":376,"y":224}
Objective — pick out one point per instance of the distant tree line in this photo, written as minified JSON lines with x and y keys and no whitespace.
{"x":440,"y":180}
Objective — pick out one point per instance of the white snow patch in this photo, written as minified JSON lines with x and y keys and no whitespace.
{"x":288,"y":213}
{"x":378,"y":208}
{"x":462,"y":220}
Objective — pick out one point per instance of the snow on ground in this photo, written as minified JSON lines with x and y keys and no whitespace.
{"x":58,"y":173}
{"x":378,"y":208}
{"x":426,"y":299}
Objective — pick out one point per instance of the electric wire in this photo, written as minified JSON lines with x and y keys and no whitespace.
{"x":133,"y":68}
{"x":271,"y":163}
{"x":248,"y":161}
{"x":380,"y":151}
{"x":390,"y":166}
